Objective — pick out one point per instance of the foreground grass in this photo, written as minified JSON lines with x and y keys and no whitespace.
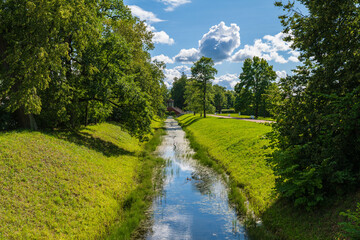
{"x":239,"y":148}
{"x":63,"y":185}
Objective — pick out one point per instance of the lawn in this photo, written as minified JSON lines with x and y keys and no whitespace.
{"x":245,"y":116}
{"x":240,"y":147}
{"x":67,"y":185}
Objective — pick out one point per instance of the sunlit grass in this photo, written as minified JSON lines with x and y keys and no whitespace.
{"x":63,"y":185}
{"x":245,"y":116}
{"x":240,"y":148}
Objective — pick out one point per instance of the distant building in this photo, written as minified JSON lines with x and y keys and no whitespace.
{"x":172,"y":108}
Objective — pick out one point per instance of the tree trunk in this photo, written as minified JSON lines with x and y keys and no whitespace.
{"x":86,"y":113}
{"x":26,"y":120}
{"x":256,"y":110}
{"x":204,"y":99}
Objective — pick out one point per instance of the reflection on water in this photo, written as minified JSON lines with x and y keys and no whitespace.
{"x":194,"y":201}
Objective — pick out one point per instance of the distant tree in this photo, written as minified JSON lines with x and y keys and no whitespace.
{"x":178,"y":91}
{"x":194,"y":96}
{"x":230,"y":99}
{"x":219,"y":97}
{"x":257,"y":75}
{"x":273,"y":99}
{"x":203,"y":71}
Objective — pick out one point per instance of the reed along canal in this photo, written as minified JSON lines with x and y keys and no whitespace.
{"x":194,"y":201}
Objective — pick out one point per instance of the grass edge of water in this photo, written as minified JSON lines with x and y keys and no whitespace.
{"x":237,"y":197}
{"x":139,"y":200}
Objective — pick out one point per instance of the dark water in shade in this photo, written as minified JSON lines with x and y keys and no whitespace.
{"x":190,"y":209}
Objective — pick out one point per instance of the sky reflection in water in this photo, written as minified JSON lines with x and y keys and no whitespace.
{"x":194,"y":201}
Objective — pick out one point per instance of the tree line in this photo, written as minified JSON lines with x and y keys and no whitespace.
{"x":71,"y":63}
{"x":255,"y":94}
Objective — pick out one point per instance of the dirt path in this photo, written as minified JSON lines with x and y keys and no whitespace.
{"x":245,"y":119}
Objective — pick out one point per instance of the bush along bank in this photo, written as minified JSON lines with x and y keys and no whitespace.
{"x":61,"y":185}
{"x":239,"y":148}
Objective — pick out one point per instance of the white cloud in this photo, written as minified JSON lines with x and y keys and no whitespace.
{"x":172,"y":4}
{"x":144,"y":15}
{"x":268,"y":48}
{"x":187,"y":55}
{"x":162,"y":58}
{"x":220,"y":42}
{"x":170,"y":74}
{"x":281,"y":74}
{"x":277,"y":41}
{"x":162,"y":37}
{"x":149,"y":18}
{"x":228,"y":80}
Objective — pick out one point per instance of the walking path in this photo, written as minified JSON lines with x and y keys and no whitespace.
{"x":245,"y":119}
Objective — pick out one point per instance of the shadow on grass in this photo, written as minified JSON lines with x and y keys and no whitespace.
{"x":85,"y":139}
{"x":189,"y":120}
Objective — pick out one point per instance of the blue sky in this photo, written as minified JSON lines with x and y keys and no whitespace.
{"x":228,"y":31}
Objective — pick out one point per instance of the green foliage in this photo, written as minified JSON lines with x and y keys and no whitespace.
{"x":255,"y":78}
{"x":352,"y":227}
{"x":178,"y":91}
{"x":219,"y":97}
{"x":318,"y":124}
{"x":203,"y":71}
{"x":230,"y":99}
{"x":194,"y":97}
{"x":83,"y":59}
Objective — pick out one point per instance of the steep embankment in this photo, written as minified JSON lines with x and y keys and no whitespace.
{"x":240,"y":147}
{"x":63,"y":185}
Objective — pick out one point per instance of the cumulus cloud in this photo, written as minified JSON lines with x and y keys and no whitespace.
{"x":170,"y":74}
{"x":162,"y":37}
{"x":228,"y":80}
{"x":162,"y":58}
{"x":144,"y":15}
{"x":187,"y":55}
{"x":281,"y":74}
{"x":172,"y":4}
{"x":268,"y":48}
{"x":220,"y":42}
{"x":149,"y":18}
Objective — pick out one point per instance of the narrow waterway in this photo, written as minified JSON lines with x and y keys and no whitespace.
{"x":194,"y":200}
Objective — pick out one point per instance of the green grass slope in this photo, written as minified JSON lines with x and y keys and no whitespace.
{"x":63,"y":185}
{"x":240,"y":148}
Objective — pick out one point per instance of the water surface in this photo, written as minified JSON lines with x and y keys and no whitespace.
{"x":194,"y":200}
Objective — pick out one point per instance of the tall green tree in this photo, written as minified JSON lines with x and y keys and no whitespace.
{"x":230,"y":99}
{"x":194,"y":96}
{"x":219,"y":97}
{"x":255,"y":78}
{"x":318,"y":131}
{"x":203,"y":71}
{"x":178,"y":91}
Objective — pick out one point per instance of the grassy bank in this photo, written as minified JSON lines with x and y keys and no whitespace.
{"x":239,"y":148}
{"x":62,"y":185}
